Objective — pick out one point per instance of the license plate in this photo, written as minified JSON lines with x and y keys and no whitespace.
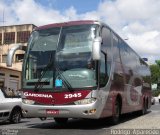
{"x":52,"y":112}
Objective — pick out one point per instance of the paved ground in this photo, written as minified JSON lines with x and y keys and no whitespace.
{"x":130,"y":123}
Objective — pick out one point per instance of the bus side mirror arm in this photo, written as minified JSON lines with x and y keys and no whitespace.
{"x":96,"y":48}
{"x":12,"y":52}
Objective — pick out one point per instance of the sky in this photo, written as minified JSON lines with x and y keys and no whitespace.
{"x":138,"y":21}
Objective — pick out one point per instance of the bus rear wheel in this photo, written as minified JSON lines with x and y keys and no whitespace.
{"x":144,"y":108}
{"x":61,"y":121}
{"x":116,"y":114}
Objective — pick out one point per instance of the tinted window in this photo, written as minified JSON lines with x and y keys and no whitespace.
{"x":106,"y":42}
{"x":103,"y":70}
{"x":107,"y":48}
{"x":116,"y":56}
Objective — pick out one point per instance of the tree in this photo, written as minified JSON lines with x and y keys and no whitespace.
{"x":155,"y":77}
{"x":158,"y":62}
{"x":155,"y":73}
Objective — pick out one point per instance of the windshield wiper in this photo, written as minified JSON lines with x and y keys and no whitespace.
{"x":43,"y":73}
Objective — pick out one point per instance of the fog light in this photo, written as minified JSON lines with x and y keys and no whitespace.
{"x":92,"y":111}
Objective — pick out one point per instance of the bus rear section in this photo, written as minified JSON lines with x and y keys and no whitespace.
{"x":81,"y":69}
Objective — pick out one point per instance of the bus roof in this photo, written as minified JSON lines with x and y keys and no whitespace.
{"x":66,"y":24}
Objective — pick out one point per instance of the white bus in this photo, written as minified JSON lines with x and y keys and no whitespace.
{"x":82,"y":69}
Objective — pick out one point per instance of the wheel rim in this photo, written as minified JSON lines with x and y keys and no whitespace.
{"x":116,"y":115}
{"x":117,"y":110}
{"x":144,"y":108}
{"x":16,"y":117}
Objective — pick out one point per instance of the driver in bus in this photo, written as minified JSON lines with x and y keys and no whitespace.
{"x":90,"y":64}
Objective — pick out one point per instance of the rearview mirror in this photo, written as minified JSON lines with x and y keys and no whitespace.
{"x":12,"y":52}
{"x":96,"y":48}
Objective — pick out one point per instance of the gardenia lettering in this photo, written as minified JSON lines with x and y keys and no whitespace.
{"x":37,"y":95}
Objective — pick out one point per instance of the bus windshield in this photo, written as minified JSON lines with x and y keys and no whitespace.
{"x":59,"y":56}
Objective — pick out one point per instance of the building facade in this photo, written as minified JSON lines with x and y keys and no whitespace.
{"x":11,"y":35}
{"x":10,"y":77}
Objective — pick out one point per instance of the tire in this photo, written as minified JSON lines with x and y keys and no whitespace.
{"x":116,"y":114}
{"x":144,"y":109}
{"x":15,"y":116}
{"x":61,"y":121}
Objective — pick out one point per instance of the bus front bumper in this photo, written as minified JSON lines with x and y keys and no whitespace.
{"x":91,"y":111}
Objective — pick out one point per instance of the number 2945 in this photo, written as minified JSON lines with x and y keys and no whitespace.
{"x":73,"y":95}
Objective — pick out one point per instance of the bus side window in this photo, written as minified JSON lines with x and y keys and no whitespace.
{"x":106,"y":42}
{"x":103,"y":70}
{"x":106,"y":47}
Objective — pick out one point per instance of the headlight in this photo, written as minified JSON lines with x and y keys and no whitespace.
{"x":28,"y":101}
{"x":85,"y":101}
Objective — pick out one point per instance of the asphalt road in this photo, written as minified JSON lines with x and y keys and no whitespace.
{"x":128,"y":123}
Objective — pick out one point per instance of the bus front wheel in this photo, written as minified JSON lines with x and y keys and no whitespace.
{"x":116,"y":112}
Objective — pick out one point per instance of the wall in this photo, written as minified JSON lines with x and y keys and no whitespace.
{"x":11,"y":78}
